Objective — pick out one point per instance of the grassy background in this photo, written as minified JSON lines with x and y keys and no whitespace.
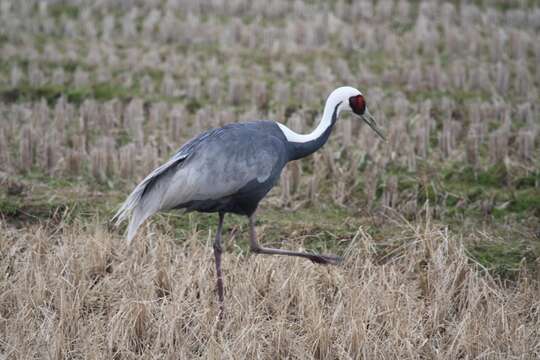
{"x":94,"y":96}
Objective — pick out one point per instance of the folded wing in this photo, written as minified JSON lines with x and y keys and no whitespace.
{"x":213,"y":165}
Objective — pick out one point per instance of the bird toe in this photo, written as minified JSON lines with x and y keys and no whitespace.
{"x":326,"y":259}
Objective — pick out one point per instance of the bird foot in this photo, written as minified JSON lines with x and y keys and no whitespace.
{"x":326,"y":259}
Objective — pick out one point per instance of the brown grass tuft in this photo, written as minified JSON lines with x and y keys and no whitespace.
{"x":80,"y":292}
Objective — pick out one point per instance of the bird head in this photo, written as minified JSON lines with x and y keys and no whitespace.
{"x":351,"y":99}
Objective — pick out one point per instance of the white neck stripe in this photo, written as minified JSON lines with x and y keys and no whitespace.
{"x":338,"y":98}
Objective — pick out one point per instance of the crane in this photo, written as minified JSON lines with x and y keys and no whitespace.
{"x":230,"y":170}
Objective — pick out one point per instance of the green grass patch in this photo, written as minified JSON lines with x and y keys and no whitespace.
{"x":62,"y":9}
{"x":51,"y":93}
{"x":503,"y":258}
{"x":493,"y":176}
{"x":526,"y":201}
{"x":9,"y":207}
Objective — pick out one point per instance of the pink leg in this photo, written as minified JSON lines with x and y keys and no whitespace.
{"x":217,"y":254}
{"x":258,"y":249}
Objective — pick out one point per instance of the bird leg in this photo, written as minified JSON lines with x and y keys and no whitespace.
{"x":258,"y":249}
{"x":217,"y":254}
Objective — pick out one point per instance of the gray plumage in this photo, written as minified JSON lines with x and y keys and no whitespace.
{"x":227,"y":169}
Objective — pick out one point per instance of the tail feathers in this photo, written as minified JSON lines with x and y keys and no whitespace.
{"x":137,"y":208}
{"x":146,"y":198}
{"x":135,"y":222}
{"x":127,"y":207}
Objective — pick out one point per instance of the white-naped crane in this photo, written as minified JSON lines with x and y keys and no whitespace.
{"x":230,"y":169}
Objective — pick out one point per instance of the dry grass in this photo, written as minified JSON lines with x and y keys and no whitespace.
{"x":94,"y":95}
{"x":77,"y":292}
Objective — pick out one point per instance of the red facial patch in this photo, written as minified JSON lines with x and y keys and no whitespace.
{"x":358,"y":104}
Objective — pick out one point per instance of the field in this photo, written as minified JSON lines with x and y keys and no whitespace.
{"x":439,"y":226}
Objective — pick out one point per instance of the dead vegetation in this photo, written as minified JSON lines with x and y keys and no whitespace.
{"x":114,"y":89}
{"x":79,"y":293}
{"x":93,"y":95}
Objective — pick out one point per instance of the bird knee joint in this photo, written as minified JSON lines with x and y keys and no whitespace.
{"x":218,"y":248}
{"x":255,"y":249}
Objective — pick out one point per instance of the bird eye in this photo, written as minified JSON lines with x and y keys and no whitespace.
{"x":358,"y":104}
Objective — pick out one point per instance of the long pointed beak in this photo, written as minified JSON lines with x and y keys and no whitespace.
{"x":370,"y":120}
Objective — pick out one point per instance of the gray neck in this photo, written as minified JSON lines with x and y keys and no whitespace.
{"x":297,"y":150}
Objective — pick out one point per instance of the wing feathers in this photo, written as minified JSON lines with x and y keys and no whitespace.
{"x":146,"y":198}
{"x":232,"y":157}
{"x":140,"y":204}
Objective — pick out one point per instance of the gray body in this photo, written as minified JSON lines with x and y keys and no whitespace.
{"x":238,"y":166}
{"x":229,"y":169}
